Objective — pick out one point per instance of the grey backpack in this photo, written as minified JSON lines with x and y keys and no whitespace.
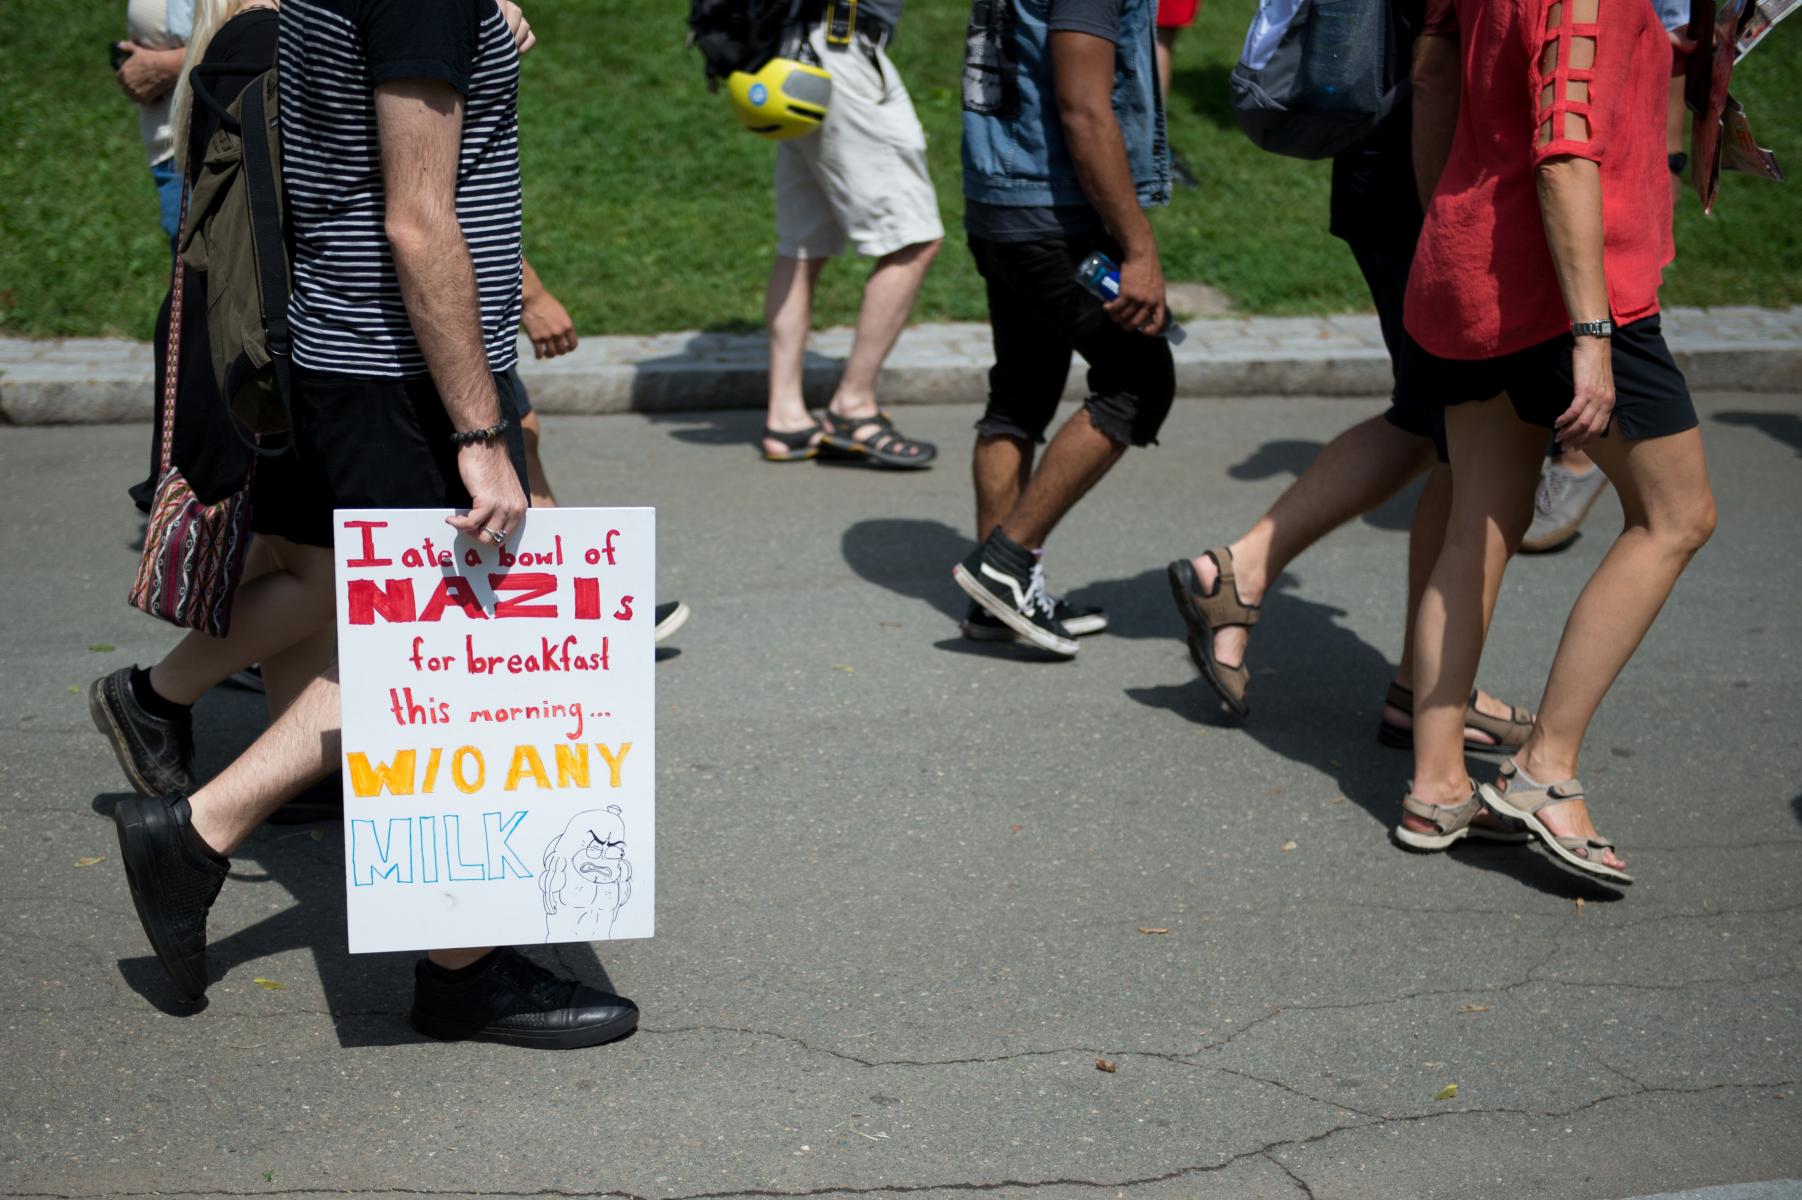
{"x":1317,"y":76}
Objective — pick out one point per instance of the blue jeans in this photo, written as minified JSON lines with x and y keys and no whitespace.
{"x":168,"y":194}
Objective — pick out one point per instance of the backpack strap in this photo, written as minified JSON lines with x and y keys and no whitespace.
{"x":263,"y":193}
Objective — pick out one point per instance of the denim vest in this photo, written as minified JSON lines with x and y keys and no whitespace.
{"x":1014,"y":151}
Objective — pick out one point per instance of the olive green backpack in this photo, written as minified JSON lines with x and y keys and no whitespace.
{"x":234,"y":236}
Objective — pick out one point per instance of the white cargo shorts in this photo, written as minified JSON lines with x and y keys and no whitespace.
{"x":862,"y":176}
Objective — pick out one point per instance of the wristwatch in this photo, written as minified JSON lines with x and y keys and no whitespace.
{"x":1602,"y":328}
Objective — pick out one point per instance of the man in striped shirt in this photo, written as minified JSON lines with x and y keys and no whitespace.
{"x":401,"y":164}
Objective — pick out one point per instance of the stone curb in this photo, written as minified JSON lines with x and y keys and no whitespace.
{"x":100,"y":380}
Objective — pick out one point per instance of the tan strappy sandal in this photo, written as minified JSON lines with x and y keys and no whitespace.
{"x":1510,"y":732}
{"x":1206,"y":612}
{"x":1522,"y":802}
{"x":1451,"y":823}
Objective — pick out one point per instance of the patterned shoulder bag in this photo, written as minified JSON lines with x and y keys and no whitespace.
{"x":193,"y":552}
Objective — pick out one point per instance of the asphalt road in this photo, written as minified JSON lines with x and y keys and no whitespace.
{"x":904,"y":878}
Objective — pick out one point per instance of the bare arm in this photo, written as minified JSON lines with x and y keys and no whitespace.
{"x":1082,"y":68}
{"x":147,"y":75}
{"x":1570,"y":205}
{"x":543,"y":316}
{"x":1436,"y":76}
{"x":419,"y":123}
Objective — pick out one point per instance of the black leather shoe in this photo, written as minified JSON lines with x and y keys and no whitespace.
{"x":174,"y":880}
{"x":156,"y":754}
{"x":515,"y":1001}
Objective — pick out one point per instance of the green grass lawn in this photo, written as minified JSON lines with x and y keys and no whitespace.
{"x":648,"y":209}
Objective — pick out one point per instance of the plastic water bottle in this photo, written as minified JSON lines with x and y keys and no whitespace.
{"x":1100,"y":277}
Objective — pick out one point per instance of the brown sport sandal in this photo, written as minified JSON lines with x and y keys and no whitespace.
{"x":1451,"y":823}
{"x":1519,"y":801}
{"x":1206,"y":612}
{"x":1510,"y":732}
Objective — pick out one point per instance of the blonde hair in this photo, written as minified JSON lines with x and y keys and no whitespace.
{"x":209,"y":17}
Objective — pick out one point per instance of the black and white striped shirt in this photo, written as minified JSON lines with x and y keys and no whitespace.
{"x":346,"y":309}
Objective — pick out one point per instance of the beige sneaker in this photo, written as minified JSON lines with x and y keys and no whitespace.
{"x":1563,"y":500}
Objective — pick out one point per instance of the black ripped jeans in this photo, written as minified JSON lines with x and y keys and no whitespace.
{"x":1038,"y":315}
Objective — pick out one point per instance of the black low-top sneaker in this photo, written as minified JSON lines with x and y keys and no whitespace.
{"x":174,"y":879}
{"x":1003,"y":577}
{"x":156,"y":753}
{"x":671,"y":616}
{"x":514,"y":1001}
{"x":1080,"y":619}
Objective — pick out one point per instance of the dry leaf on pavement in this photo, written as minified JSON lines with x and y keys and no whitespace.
{"x":269,"y":985}
{"x":1448,"y":1092}
{"x":1473,"y":1008}
{"x":1102,"y":1064}
{"x":1288,"y":846}
{"x":1153,"y":929}
{"x":90,"y":860}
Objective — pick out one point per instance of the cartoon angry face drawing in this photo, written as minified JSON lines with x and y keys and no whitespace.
{"x":587,"y":877}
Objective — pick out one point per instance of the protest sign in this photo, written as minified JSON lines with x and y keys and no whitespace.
{"x":499,"y":750}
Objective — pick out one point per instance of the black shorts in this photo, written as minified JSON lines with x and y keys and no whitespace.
{"x":1651,"y":398}
{"x":365,"y":443}
{"x":1039,"y":315}
{"x":522,"y":399}
{"x":1385,"y":262}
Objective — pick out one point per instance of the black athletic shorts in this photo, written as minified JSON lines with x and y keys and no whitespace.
{"x":1651,"y":398}
{"x":1385,"y":260}
{"x":365,"y":443}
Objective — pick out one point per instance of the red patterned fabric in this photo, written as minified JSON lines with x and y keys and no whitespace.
{"x":1538,"y":84}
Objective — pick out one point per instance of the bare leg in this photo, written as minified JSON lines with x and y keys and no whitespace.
{"x":1425,"y":536}
{"x":788,"y":314}
{"x":888,"y":298}
{"x":1495,"y":467}
{"x":269,"y":614}
{"x":1001,"y":467}
{"x":1357,"y":471}
{"x":536,"y":482}
{"x":1669,"y":512}
{"x":287,"y":673}
{"x":1075,"y":461}
{"x":297,"y":749}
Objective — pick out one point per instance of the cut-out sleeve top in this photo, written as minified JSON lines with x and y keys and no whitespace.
{"x":1539,"y":84}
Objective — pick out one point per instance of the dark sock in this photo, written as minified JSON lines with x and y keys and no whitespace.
{"x":459,"y":974}
{"x":150,"y":702}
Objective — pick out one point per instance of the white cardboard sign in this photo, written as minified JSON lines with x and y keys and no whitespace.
{"x":499,"y":743}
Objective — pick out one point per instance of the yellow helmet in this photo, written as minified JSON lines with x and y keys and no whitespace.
{"x":783,"y":99}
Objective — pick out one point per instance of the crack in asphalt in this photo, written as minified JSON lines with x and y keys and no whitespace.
{"x":1269,"y":1151}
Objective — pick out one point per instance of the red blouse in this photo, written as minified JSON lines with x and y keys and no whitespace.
{"x":1539,"y":85}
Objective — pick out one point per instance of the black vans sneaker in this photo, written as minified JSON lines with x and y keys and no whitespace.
{"x":1080,"y":619}
{"x":512,"y":1000}
{"x":156,"y":753}
{"x":1003,"y":577}
{"x":174,"y":879}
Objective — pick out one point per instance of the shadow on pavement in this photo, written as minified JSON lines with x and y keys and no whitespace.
{"x":1785,"y":427}
{"x":1292,"y":457}
{"x":910,"y":557}
{"x":1795,"y":808}
{"x":1316,"y":700}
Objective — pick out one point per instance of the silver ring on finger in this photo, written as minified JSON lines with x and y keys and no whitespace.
{"x":499,"y":535}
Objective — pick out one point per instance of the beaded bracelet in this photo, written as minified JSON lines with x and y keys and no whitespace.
{"x":473,"y":436}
